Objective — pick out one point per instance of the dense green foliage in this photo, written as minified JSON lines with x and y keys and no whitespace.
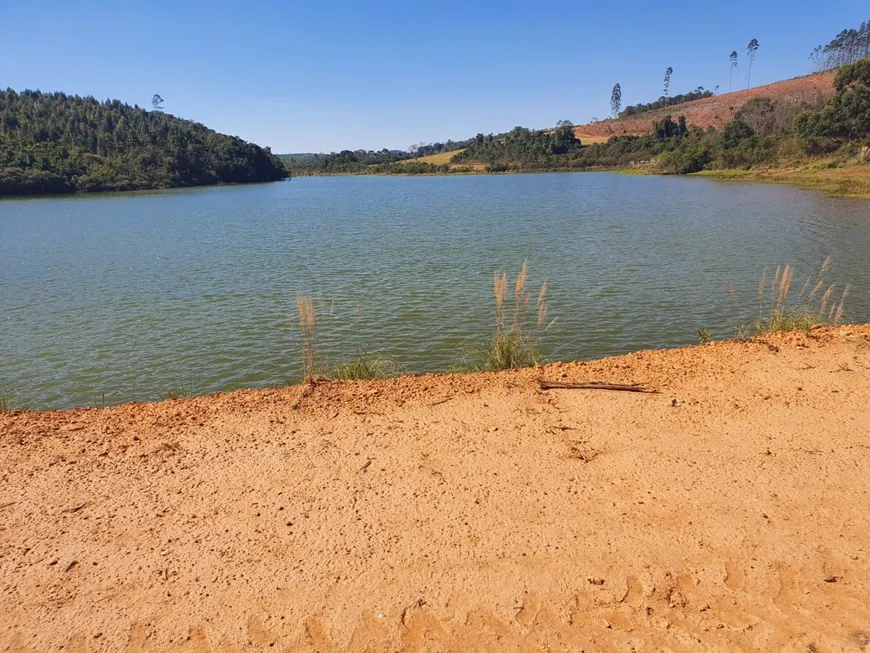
{"x":764,"y":131}
{"x":847,"y":116}
{"x":522,"y":148}
{"x":369,"y":161}
{"x":665,"y":101}
{"x":55,"y":143}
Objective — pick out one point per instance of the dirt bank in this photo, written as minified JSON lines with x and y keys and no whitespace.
{"x":731,"y":511}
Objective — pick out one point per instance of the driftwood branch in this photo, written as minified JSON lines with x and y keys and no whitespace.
{"x":593,"y":385}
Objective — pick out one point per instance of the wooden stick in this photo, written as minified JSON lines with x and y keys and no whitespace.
{"x":593,"y":385}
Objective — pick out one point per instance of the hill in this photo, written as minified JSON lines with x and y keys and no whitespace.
{"x":58,"y":143}
{"x":716,"y":111}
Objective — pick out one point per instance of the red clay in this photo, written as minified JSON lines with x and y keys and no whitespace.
{"x":718,"y":110}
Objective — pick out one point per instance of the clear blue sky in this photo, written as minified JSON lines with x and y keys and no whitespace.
{"x":324,"y":75}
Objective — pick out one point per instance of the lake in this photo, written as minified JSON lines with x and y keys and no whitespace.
{"x":193,"y":291}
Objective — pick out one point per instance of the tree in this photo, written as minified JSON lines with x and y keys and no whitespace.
{"x":751,"y":49}
{"x":668,"y":73}
{"x":616,"y":99}
{"x":849,"y":46}
{"x":733,"y":58}
{"x":157,"y":102}
{"x":52,"y":142}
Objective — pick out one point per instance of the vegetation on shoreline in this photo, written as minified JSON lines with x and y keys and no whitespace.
{"x":789,"y":140}
{"x":514,"y":344}
{"x":833,"y":176}
{"x":58,"y":143}
{"x":816,"y":304}
{"x":520,"y":326}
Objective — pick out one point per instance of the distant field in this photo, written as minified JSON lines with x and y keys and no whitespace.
{"x":590,"y":139}
{"x":435,"y":159}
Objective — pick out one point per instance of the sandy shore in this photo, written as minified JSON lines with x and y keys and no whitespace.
{"x":730,"y":511}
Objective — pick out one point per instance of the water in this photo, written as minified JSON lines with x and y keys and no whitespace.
{"x":137,"y":295}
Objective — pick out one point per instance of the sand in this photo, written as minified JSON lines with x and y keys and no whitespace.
{"x":730,"y":511}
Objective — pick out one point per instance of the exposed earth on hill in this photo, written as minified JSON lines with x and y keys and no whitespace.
{"x":714,"y":111}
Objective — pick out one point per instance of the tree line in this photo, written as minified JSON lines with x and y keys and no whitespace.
{"x":664,"y":102}
{"x":59,"y":143}
{"x":763,"y":131}
{"x":847,"y":47}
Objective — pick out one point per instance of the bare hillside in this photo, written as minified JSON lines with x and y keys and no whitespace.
{"x":715,"y":111}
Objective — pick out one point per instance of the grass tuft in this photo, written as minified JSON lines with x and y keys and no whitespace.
{"x":306,"y":312}
{"x":514,"y":346}
{"x":366,"y":366}
{"x":817,"y":303}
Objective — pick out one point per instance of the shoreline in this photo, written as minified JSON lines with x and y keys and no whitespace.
{"x":438,"y":376}
{"x":84,"y":193}
{"x":850,"y":181}
{"x":461,"y":512}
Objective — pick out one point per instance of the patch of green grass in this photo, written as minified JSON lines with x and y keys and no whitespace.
{"x":800,"y":320}
{"x":181,"y":392}
{"x":365,"y":366}
{"x":9,"y":401}
{"x":506,"y":352}
{"x":830,"y":177}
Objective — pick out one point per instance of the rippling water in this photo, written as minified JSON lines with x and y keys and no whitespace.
{"x":134,"y":295}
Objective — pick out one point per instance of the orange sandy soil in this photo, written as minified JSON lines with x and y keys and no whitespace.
{"x":731,"y":511}
{"x":718,"y":110}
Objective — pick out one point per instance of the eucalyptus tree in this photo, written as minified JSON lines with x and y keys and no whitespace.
{"x":751,"y":49}
{"x":668,"y":73}
{"x":733,"y":58}
{"x":616,"y":99}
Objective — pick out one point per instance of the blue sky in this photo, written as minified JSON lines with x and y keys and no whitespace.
{"x":327,"y":75}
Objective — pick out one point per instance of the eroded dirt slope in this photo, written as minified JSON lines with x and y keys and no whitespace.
{"x":715,"y":111}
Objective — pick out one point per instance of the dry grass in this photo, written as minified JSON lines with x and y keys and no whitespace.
{"x":815,"y":305}
{"x":444,"y":158}
{"x":434,"y":159}
{"x":591,"y":139}
{"x":306,"y":312}
{"x":514,"y":345}
{"x":822,"y":175}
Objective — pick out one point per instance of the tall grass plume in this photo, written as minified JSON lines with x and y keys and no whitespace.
{"x":819,"y":303}
{"x":306,"y":312}
{"x":514,"y":344}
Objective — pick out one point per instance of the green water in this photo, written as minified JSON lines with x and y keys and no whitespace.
{"x":136,"y":295}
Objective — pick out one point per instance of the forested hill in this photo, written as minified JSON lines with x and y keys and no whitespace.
{"x":58,"y":143}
